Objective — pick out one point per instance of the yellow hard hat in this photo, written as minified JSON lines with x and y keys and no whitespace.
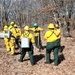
{"x":12,"y":23}
{"x":26,"y":28}
{"x":15,"y":25}
{"x":5,"y":27}
{"x":56,"y":25}
{"x":51,"y":25}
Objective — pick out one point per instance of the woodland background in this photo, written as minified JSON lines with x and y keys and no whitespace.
{"x":27,"y":12}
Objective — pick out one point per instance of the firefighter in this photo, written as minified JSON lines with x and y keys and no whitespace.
{"x":12,"y":38}
{"x":36,"y":29}
{"x":6,"y":40}
{"x":58,"y":29}
{"x":51,"y":37}
{"x":28,"y":35}
{"x":17,"y":35}
{"x":11,"y":25}
{"x":59,"y":37}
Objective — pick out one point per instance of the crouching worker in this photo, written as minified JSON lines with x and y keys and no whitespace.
{"x":27,"y":43}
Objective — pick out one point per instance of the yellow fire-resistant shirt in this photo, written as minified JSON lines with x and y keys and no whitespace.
{"x":36,"y":30}
{"x":17,"y":32}
{"x":27,"y":34}
{"x":11,"y":29}
{"x":51,"y":35}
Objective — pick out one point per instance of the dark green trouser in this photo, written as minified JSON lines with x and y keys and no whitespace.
{"x":38,"y":42}
{"x":55,"y":47}
{"x":16,"y":40}
{"x":30,"y":52}
{"x":60,"y":48}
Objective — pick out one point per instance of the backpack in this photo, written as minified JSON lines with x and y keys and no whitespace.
{"x":7,"y":34}
{"x":25,"y":42}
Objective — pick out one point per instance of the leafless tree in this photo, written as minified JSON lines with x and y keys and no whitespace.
{"x":26,"y":12}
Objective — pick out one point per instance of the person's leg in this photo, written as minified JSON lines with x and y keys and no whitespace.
{"x":7,"y":44}
{"x":23,"y":52}
{"x":12,"y":50}
{"x":31,"y":56}
{"x":49,"y":47}
{"x":60,"y":48}
{"x":12,"y":46}
{"x":55,"y":52}
{"x":18,"y":44}
{"x":36,"y":41}
{"x":40,"y":43}
{"x":47,"y":56}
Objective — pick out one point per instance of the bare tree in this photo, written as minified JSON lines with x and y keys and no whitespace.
{"x":26,"y":12}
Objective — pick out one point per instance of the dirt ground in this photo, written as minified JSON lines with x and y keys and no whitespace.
{"x":9,"y":65}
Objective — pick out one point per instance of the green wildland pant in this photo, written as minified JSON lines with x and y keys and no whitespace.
{"x":38,"y":42}
{"x":55,"y":47}
{"x":30,"y":52}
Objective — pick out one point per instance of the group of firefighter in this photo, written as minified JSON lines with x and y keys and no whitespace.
{"x":52,"y":37}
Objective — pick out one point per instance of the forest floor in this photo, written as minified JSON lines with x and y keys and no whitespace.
{"x":9,"y":65}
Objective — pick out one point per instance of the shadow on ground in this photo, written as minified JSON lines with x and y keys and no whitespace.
{"x":38,"y":57}
{"x":61,"y":58}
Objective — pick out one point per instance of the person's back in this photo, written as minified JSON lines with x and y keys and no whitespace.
{"x":28,"y":49}
{"x":11,"y":29}
{"x":19,"y":31}
{"x":51,"y":37}
{"x":16,"y":34}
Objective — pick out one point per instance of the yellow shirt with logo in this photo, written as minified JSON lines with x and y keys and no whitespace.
{"x":51,"y":35}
